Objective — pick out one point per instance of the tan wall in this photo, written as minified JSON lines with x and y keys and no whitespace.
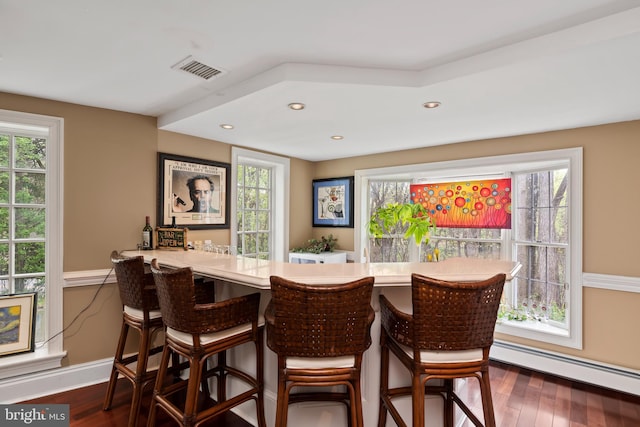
{"x":110,"y":185}
{"x":300,"y":219}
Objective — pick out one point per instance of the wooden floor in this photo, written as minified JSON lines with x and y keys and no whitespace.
{"x":521,"y":398}
{"x":85,"y":407}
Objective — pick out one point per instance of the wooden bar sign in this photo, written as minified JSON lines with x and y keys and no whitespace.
{"x":171,"y":238}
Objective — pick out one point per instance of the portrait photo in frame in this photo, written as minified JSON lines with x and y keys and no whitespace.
{"x":17,"y":323}
{"x":194,"y":191}
{"x":333,"y":202}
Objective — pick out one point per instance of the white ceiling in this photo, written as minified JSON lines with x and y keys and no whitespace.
{"x":362,"y":67}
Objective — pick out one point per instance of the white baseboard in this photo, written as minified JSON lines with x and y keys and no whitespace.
{"x":32,"y":386}
{"x":597,"y":373}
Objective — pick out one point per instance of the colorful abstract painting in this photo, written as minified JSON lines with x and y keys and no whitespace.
{"x":469,"y":204}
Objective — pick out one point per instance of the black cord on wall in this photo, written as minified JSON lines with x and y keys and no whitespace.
{"x":93,"y":300}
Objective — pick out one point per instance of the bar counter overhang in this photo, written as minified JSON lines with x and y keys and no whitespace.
{"x":255,"y":272}
{"x":237,"y":275}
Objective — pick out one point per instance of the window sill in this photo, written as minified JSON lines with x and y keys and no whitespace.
{"x":537,"y":331}
{"x":534,"y":325}
{"x":28,"y":363}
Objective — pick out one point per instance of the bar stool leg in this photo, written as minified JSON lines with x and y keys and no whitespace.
{"x":260,"y":377}
{"x":417,"y":396}
{"x":193,"y":385}
{"x":487,"y":400}
{"x":282,"y":403}
{"x":124,"y":330}
{"x":141,"y":374}
{"x":159,"y":385}
{"x":384,"y":378}
{"x":357,"y":404}
{"x":448,"y":403}
{"x":222,"y":376}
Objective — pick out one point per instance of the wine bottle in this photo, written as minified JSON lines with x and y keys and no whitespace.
{"x":147,"y":235}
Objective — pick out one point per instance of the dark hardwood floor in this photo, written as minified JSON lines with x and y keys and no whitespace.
{"x":525,"y":398}
{"x":85,"y":407}
{"x":522,"y":398}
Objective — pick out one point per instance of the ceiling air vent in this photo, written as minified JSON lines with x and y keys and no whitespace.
{"x":197,"y":68}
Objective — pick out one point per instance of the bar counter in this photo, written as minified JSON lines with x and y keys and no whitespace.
{"x":255,"y":272}
{"x":237,"y":275}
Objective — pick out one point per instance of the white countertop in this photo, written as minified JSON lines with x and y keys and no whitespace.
{"x":255,"y":273}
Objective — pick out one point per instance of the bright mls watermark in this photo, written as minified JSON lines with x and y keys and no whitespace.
{"x":34,"y":415}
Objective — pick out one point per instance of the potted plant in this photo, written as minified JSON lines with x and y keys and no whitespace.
{"x":315,"y":246}
{"x":385,"y":218}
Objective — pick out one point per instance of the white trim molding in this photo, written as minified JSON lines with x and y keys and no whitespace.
{"x":32,"y":386}
{"x":74,"y":279}
{"x":41,"y":359}
{"x":612,"y":283}
{"x":574,"y":368}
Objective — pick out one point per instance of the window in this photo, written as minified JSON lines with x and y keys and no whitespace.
{"x":391,"y":247}
{"x":254,"y":211}
{"x":541,"y":245}
{"x":31,"y":227}
{"x":23,"y":169}
{"x":467,"y":242}
{"x":259,"y":199}
{"x":543,"y":302}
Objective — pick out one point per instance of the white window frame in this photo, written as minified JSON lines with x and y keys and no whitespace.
{"x":450,"y":170}
{"x":50,"y":354}
{"x":280,"y":197}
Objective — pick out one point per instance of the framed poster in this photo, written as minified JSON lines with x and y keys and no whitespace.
{"x":17,"y":323}
{"x":194,"y":191}
{"x":333,"y":202}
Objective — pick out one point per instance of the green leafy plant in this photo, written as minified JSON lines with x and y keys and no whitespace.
{"x":413,"y":215}
{"x":315,"y":246}
{"x":516,"y":314}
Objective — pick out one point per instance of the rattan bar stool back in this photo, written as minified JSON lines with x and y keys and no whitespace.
{"x":319,"y":333}
{"x":141,"y":312}
{"x":196,"y":331}
{"x":447,"y":335}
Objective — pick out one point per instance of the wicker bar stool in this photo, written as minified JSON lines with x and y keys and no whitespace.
{"x":445,"y":334}
{"x":142,"y":313}
{"x":196,"y":332}
{"x":319,"y":333}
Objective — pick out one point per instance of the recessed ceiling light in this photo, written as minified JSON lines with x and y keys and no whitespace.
{"x":337,"y":137}
{"x":431,"y":104}
{"x":296,"y":106}
{"x":226,"y":126}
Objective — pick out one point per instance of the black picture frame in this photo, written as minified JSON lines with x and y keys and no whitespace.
{"x":333,"y":202}
{"x":175,"y":173}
